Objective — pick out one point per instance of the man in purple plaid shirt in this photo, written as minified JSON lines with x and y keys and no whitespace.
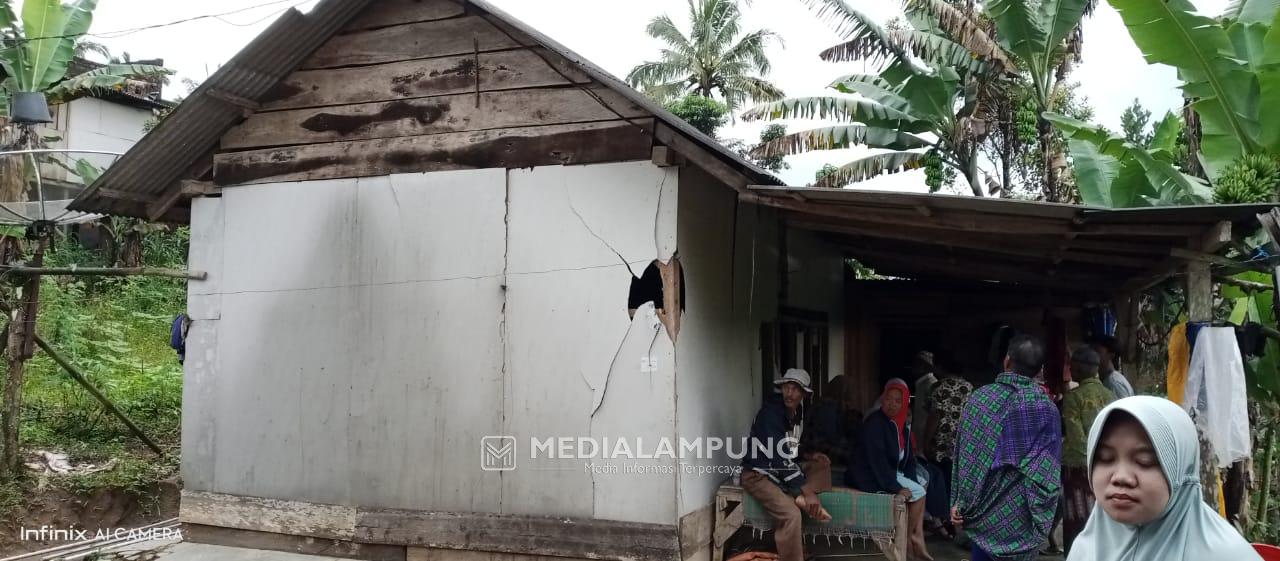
{"x":1006,"y":478}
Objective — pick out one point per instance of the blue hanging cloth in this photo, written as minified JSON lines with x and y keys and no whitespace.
{"x":178,"y":335}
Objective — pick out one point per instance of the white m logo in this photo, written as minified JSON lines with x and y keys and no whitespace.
{"x":498,"y":453}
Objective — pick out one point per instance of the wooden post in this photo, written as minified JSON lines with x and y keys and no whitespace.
{"x":1199,"y":292}
{"x":106,"y":403}
{"x":1200,"y":309}
{"x":18,"y":348}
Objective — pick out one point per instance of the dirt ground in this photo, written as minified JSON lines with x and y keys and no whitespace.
{"x":104,"y":509}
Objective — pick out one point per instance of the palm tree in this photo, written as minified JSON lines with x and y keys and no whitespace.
{"x":711,"y":59}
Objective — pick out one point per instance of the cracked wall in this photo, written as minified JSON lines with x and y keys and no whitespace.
{"x":357,"y":338}
{"x":576,"y":361}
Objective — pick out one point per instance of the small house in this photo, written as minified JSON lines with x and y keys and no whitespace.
{"x":431,"y":231}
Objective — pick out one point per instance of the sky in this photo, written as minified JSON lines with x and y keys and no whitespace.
{"x":611,"y":34}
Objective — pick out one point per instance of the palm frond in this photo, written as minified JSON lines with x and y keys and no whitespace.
{"x":751,"y":88}
{"x":109,"y":77}
{"x":665,"y":30}
{"x":752,"y":48}
{"x":838,"y":138}
{"x":872,"y":166}
{"x":668,"y":91}
{"x":964,"y":30}
{"x":720,"y":21}
{"x":651,"y":73}
{"x":85,"y":47}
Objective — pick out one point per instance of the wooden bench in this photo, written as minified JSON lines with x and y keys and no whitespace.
{"x":888,"y":514}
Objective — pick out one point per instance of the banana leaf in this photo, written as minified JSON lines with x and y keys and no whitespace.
{"x":872,"y":166}
{"x":42,"y":24}
{"x":1172,"y":32}
{"x":77,"y":17}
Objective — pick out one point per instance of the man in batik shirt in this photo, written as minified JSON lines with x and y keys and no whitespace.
{"x":1079,"y":408}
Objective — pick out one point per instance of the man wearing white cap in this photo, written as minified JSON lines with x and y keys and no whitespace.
{"x":786,"y":489}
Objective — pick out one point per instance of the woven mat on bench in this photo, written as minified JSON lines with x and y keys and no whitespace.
{"x":853,"y":514}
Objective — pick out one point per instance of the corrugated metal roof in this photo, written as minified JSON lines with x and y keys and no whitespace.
{"x":161,"y":158}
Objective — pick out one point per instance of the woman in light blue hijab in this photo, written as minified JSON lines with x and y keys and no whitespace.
{"x":1144,"y":468}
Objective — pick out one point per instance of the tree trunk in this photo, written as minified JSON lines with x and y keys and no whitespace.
{"x":131,"y":249}
{"x":971,"y":171}
{"x":18,"y":349}
{"x":1268,"y":458}
{"x":1194,"y":133}
{"x":1048,"y":173}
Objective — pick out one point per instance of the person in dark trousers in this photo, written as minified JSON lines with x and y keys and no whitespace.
{"x":787,"y":489}
{"x":885,"y":460}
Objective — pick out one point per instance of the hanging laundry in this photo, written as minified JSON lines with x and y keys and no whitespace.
{"x":178,"y":335}
{"x":1097,"y":322}
{"x":1179,"y":361}
{"x":1215,"y":393}
{"x":1252,"y":342}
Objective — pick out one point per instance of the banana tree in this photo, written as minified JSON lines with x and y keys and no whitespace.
{"x":1043,"y":37}
{"x":1227,"y":65}
{"x":1230,"y":70}
{"x":923,"y":107}
{"x":913,"y":120}
{"x":1113,"y":172}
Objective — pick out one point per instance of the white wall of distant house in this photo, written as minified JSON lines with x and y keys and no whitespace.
{"x":90,"y":123}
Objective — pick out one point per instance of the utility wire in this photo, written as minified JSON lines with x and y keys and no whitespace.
{"x":130,"y":31}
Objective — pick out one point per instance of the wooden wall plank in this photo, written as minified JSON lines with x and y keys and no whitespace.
{"x":610,"y":141}
{"x":417,"y":40}
{"x":249,"y":539}
{"x":531,"y":535}
{"x":426,"y":116}
{"x":268,"y":515}
{"x":503,"y":70}
{"x":437,"y":554}
{"x":382,"y":13}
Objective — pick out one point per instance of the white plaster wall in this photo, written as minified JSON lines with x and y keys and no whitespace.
{"x":347,"y":346}
{"x":357,"y":338}
{"x":816,"y":282}
{"x":570,"y":343}
{"x":730,"y":272}
{"x":95,"y":124}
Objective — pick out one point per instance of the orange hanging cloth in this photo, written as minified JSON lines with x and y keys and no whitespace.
{"x":1179,"y":362}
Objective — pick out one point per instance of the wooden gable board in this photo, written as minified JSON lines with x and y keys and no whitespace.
{"x":430,"y":85}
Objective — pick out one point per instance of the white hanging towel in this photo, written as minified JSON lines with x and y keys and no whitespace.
{"x":1216,"y":394}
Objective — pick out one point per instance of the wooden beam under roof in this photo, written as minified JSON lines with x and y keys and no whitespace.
{"x":967,"y":221}
{"x":992,"y":245}
{"x":909,"y":266}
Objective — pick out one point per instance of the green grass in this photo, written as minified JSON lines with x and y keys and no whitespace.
{"x":116,"y":331}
